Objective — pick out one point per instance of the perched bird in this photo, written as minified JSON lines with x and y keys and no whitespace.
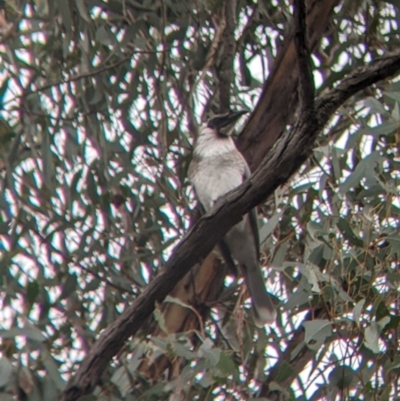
{"x":218,"y":167}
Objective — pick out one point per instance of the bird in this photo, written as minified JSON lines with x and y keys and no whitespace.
{"x":217,"y":167}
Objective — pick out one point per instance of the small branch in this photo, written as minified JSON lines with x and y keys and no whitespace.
{"x":288,"y":154}
{"x":210,"y":59}
{"x":87,"y":74}
{"x":359,"y":79}
{"x":83,"y":75}
{"x":306,"y":82}
{"x":225,"y":67}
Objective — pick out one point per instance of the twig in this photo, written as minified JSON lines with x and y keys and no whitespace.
{"x":83,"y":75}
{"x":215,"y":45}
{"x":87,"y":74}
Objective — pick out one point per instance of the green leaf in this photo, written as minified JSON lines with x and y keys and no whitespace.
{"x":342,"y":377}
{"x":6,"y":371}
{"x":371,"y":337}
{"x":225,"y":366}
{"x":29,"y":331}
{"x":268,"y":228}
{"x":70,"y":286}
{"x":6,"y":397}
{"x":42,"y":7}
{"x":315,"y":230}
{"x":386,"y":128}
{"x":65,"y":14}
{"x":4,"y":228}
{"x":121,"y":379}
{"x":32,"y":292}
{"x":285,"y":371}
{"x":316,"y":332}
{"x":105,"y":37}
{"x":300,"y":296}
{"x":365,"y":168}
{"x":357,"y":310}
{"x":52,"y":369}
{"x":183,"y":350}
{"x":374,"y":105}
{"x":92,"y":188}
{"x":394,"y":240}
{"x":208,"y":351}
{"x":82,"y":10}
{"x":176,"y":34}
{"x":393,"y":95}
{"x":199,"y":57}
{"x":348,"y":233}
{"x":337,"y":171}
{"x":159,"y":318}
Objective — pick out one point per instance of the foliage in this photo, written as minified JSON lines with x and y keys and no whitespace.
{"x":100,"y":100}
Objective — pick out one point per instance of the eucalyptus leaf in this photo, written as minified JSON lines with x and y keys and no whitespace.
{"x":358,"y":310}
{"x":6,"y":371}
{"x":316,"y":332}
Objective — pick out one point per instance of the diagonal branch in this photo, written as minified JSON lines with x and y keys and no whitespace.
{"x":289,"y":152}
{"x":306,"y":82}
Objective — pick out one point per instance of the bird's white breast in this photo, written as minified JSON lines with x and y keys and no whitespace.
{"x":213,"y":182}
{"x":220,"y":169}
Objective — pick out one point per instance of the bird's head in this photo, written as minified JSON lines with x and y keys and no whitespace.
{"x":222,"y":125}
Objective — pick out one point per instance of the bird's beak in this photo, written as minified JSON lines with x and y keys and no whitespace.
{"x":224,"y":123}
{"x":228,"y":119}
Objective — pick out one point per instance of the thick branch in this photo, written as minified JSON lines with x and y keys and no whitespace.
{"x":306,"y":82}
{"x":281,"y":162}
{"x":277,"y":102}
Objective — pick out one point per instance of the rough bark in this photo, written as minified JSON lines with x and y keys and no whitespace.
{"x":287,"y":155}
{"x":278,"y":102}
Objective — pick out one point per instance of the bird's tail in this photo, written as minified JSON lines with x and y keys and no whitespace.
{"x":263,"y":309}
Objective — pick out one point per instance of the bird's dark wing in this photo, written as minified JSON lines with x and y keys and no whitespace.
{"x":253,"y":215}
{"x":223,"y":248}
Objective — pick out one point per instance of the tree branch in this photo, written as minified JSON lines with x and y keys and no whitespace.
{"x":306,"y":82}
{"x":84,"y":75}
{"x":225,"y":67}
{"x":275,"y":107}
{"x":359,"y":79}
{"x":289,"y":152}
